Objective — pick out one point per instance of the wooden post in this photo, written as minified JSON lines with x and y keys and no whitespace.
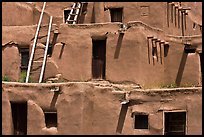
{"x":148,"y":47}
{"x":167,"y":14}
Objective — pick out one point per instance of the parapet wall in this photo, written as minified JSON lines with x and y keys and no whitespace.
{"x":95,"y":108}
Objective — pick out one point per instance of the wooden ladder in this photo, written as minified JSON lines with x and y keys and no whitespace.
{"x":74,"y":13}
{"x":31,"y":59}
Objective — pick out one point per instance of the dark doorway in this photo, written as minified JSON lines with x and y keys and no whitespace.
{"x":98,"y":59}
{"x":175,"y":123}
{"x":116,"y":14}
{"x":19,"y":116}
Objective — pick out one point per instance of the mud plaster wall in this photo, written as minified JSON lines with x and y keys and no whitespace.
{"x":21,"y":14}
{"x":156,"y":14}
{"x":181,"y":67}
{"x":11,"y":61}
{"x":126,"y":56}
{"x":83,"y":108}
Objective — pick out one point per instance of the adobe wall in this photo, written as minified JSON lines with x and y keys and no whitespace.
{"x":22,"y":14}
{"x":11,"y":62}
{"x":121,"y":50}
{"x":88,"y":108}
{"x":98,"y":12}
{"x":180,"y":67}
{"x":126,"y":56}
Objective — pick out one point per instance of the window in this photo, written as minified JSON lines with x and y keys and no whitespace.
{"x":116,"y":14}
{"x":141,"y":122}
{"x":49,"y":50}
{"x":50,"y":119}
{"x":189,"y":48}
{"x":66,"y":14}
{"x":144,"y":10}
{"x":24,"y":58}
{"x":175,"y":123}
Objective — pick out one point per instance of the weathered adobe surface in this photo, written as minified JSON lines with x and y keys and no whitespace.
{"x":95,"y":107}
{"x":131,"y":12}
{"x":130,"y":54}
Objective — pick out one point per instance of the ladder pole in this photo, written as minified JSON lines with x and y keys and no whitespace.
{"x":46,"y":49}
{"x":34,"y":44}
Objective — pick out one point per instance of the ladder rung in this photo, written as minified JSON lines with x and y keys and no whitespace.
{"x":73,"y":14}
{"x":71,"y":20}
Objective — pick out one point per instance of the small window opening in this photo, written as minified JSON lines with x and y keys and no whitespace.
{"x":24,"y":58}
{"x":189,"y":48}
{"x":175,"y":123}
{"x":141,"y":122}
{"x":49,"y":51}
{"x":66,"y":14}
{"x":50,"y":119}
{"x":19,"y":117}
{"x":116,"y":14}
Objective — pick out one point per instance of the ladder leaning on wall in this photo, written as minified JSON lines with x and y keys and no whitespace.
{"x":74,"y":13}
{"x":34,"y":48}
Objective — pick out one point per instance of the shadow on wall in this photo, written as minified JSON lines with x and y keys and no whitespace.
{"x":54,"y":40}
{"x":181,"y":68}
{"x":54,"y":99}
{"x":121,"y":120}
{"x":62,"y":49}
{"x":118,"y":47}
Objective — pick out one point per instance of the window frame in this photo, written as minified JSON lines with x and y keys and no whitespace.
{"x":174,"y":111}
{"x":139,"y":114}
{"x":116,"y":8}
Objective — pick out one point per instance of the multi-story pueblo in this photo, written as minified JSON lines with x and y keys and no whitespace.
{"x":101,"y":68}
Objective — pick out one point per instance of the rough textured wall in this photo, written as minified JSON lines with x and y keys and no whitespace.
{"x":11,"y":61}
{"x":17,"y":14}
{"x":88,"y":108}
{"x":22,"y":35}
{"x":126,"y":56}
{"x":22,"y":14}
{"x":180,"y":67}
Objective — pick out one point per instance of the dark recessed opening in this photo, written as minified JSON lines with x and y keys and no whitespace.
{"x":50,"y":119}
{"x":19,"y":117}
{"x":154,"y":51}
{"x":116,"y":14}
{"x":190,"y":50}
{"x":175,"y":123}
{"x":166,"y":50}
{"x":66,"y":14}
{"x":24,"y":58}
{"x":141,"y":122}
{"x":49,"y":51}
{"x":98,"y":59}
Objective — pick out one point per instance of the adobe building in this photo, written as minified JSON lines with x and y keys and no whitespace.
{"x":111,"y":68}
